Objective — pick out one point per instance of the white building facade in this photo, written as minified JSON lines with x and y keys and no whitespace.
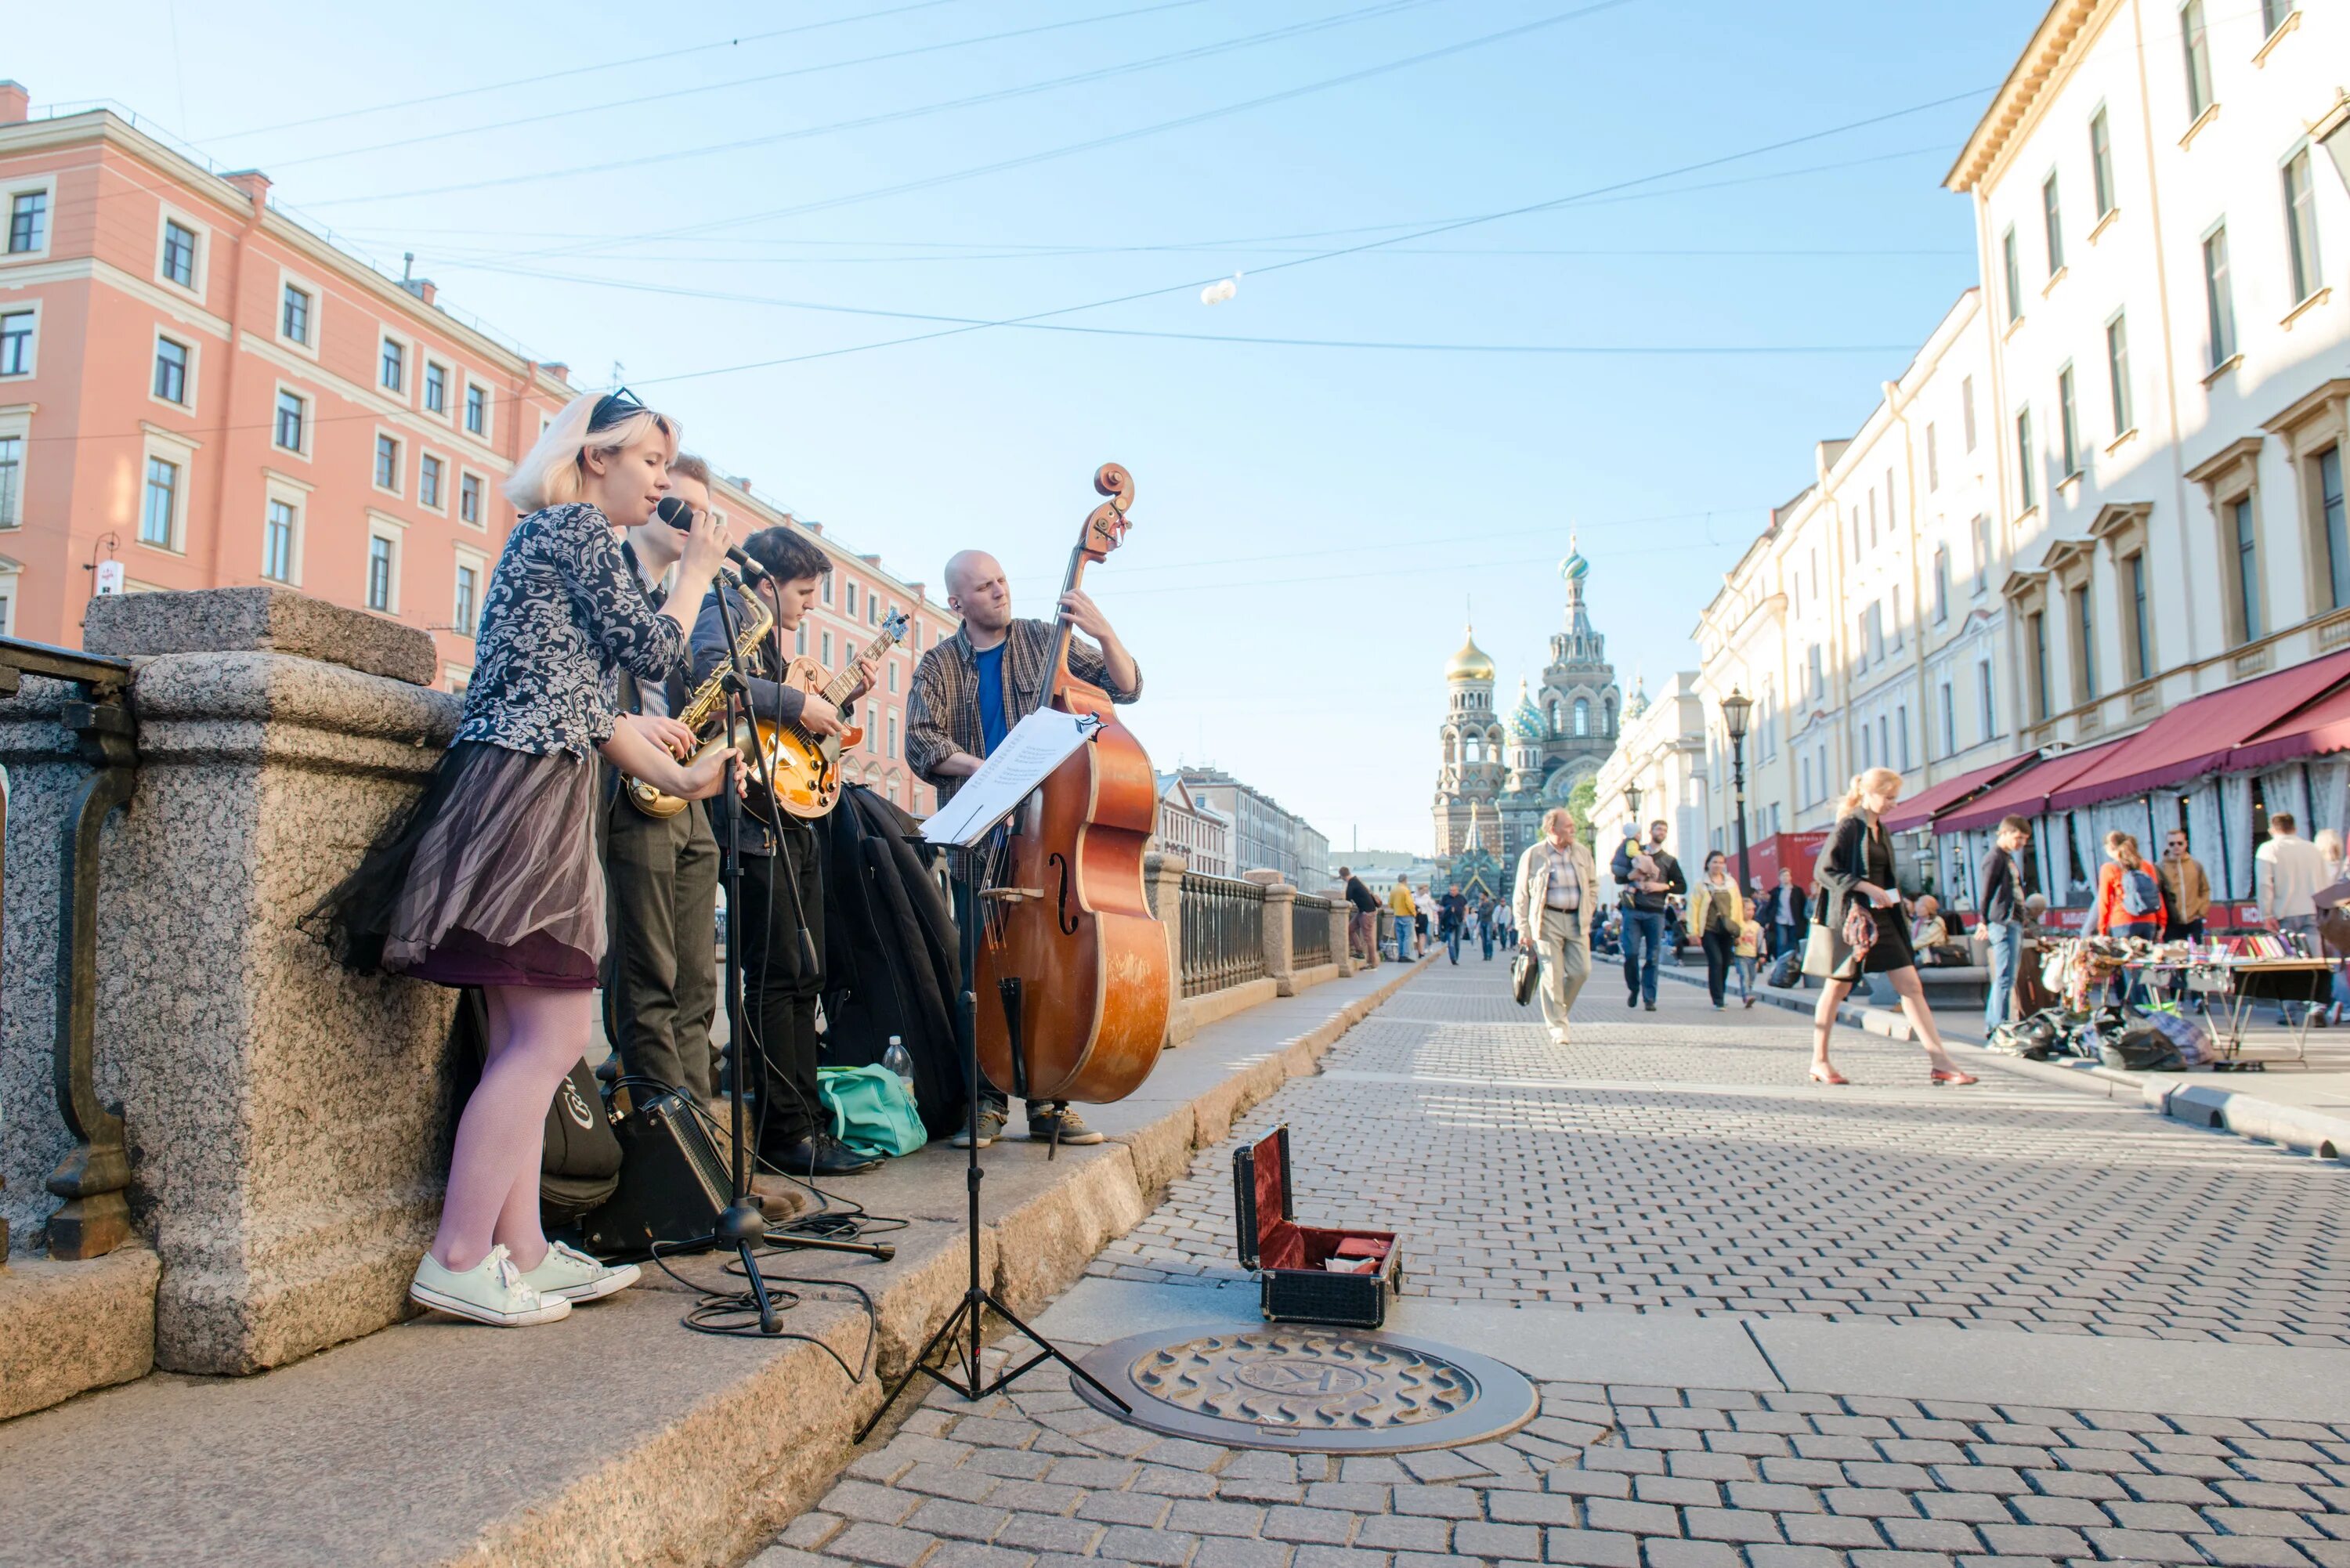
{"x":2111,"y":480}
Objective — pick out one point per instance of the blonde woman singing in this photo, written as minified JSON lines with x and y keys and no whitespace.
{"x":493,"y":879}
{"x":1856,"y":872}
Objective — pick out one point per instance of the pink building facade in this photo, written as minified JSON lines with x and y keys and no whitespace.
{"x":198,"y":391}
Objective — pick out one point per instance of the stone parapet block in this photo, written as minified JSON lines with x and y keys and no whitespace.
{"x":67,"y":1328}
{"x":287,"y":1120}
{"x":259,"y":620}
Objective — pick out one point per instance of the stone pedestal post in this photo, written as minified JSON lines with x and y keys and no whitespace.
{"x":1279,"y":937}
{"x":1341,"y":952}
{"x":1162,"y":882}
{"x":287,"y":1122}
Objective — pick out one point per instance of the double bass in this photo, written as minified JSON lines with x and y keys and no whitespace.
{"x":1072,"y":963}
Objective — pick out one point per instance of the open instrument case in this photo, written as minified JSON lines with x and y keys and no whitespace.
{"x":1308,"y":1275}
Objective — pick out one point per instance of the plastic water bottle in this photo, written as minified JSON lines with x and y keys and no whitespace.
{"x":899,"y":1062}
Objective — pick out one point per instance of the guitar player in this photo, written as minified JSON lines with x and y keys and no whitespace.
{"x":968,"y":692}
{"x":783,"y":879}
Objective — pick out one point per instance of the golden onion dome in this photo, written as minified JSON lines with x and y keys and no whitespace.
{"x":1470,"y":663}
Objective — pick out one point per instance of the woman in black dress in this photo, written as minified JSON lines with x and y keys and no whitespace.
{"x":1856,"y":872}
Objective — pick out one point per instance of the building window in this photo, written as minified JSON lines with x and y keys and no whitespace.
{"x":824,"y":592}
{"x":799,"y":638}
{"x":294,"y":315}
{"x":2101,"y":162}
{"x":12,"y":482}
{"x":179,"y":252}
{"x":1933,"y":462}
{"x":2300,"y":226}
{"x":2014,"y":267}
{"x":2027,"y":482}
{"x":1950,"y":722}
{"x":468,"y":611}
{"x":162,"y":508}
{"x":872,"y":609}
{"x":436,"y":388}
{"x":1941,"y":584}
{"x":1985,"y":709}
{"x":2327,"y":467}
{"x":2085,"y":628}
{"x":2036,"y":627}
{"x":824,"y":653}
{"x":1868,"y":745}
{"x":392,"y":371}
{"x":171,"y":371}
{"x":1873,"y":634}
{"x":428,"y":480}
{"x":893,"y":676}
{"x":893,"y":734}
{"x":387,"y":463}
{"x":2274,"y":12}
{"x":2118,"y":373}
{"x":2068,"y":421}
{"x":2141,"y":626}
{"x":16,"y":343}
{"x":379,"y":573}
{"x":2197,"y":44}
{"x":469,"y":499}
{"x":852,"y":601}
{"x":1582,"y":716}
{"x":291,"y":416}
{"x":1967,"y":408}
{"x":278,"y":543}
{"x":2248,"y":567}
{"x":2218,"y":297}
{"x":1982,"y":553}
{"x":477,"y":410}
{"x":29,"y":222}
{"x":1901,"y":732}
{"x":2052,"y":218}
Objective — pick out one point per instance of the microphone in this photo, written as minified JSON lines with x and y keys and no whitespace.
{"x":679,"y":515}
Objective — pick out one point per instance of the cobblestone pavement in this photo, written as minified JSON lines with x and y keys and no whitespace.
{"x":1675,"y":1162}
{"x":1679,"y":1159}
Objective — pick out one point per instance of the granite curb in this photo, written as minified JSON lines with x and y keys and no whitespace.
{"x":2194,"y":1100}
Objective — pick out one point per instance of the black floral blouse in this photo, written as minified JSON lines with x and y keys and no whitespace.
{"x":563,"y":616}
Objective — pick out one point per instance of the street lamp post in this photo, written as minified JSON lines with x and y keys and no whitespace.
{"x":1734,"y":711}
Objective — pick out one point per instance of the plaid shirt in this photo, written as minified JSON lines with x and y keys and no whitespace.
{"x":943,"y":711}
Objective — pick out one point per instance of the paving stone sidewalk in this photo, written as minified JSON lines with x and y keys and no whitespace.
{"x":1675,"y":1162}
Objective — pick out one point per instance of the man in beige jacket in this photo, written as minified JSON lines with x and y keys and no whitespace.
{"x":1553,"y":899}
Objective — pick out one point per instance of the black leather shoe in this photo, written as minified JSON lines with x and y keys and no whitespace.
{"x":823,"y":1155}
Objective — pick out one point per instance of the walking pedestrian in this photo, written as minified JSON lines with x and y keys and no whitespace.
{"x":1856,"y":875}
{"x":1653,"y":878}
{"x":2288,"y":872}
{"x":1453,"y":910}
{"x":1487,"y":911}
{"x":1552,"y":908}
{"x":1747,"y":955}
{"x":1363,"y":925}
{"x":2000,"y":877}
{"x":1716,"y":917}
{"x":2129,"y":904}
{"x":1399,"y":904}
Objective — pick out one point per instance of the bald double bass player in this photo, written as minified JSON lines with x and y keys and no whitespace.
{"x":969,"y":691}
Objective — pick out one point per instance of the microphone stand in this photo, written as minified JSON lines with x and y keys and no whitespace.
{"x":743,"y":1225}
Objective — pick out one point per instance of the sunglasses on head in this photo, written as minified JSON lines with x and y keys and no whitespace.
{"x":612,"y":408}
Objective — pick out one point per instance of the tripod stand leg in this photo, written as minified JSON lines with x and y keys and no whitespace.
{"x":1045,"y":1351}
{"x":920,"y":1366}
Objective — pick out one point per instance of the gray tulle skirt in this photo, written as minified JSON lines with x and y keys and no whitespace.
{"x":493,"y":879}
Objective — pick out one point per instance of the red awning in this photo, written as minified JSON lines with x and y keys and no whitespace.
{"x":2323,"y":726}
{"x":1915,"y":811}
{"x":2026,"y":794}
{"x":2196,"y":737}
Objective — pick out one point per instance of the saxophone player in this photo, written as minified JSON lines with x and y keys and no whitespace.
{"x":660,"y":977}
{"x":782,"y":880}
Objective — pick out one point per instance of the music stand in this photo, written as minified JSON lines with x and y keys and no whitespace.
{"x":962,"y":1371}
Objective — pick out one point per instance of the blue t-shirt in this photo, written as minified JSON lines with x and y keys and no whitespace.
{"x":991,"y":726}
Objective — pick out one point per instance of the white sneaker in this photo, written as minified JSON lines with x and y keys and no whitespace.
{"x":1558,"y":1036}
{"x":566,"y":1274}
{"x":491,"y":1291}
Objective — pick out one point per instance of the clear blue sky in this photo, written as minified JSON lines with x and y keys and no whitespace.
{"x":1311,"y":520}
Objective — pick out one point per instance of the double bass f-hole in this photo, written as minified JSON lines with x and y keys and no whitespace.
{"x":1061,"y":910}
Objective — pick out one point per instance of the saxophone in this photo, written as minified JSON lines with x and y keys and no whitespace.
{"x":706,"y":697}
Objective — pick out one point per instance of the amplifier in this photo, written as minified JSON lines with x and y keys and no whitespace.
{"x":673,"y":1181}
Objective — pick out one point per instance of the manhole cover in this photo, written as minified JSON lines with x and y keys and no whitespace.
{"x":1310,"y":1390}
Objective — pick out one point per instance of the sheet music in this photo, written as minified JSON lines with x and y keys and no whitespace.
{"x":1036,"y":745}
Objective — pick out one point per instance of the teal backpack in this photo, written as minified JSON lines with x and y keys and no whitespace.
{"x":872,"y":1111}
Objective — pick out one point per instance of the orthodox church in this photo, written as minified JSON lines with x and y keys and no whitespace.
{"x":1500,"y":771}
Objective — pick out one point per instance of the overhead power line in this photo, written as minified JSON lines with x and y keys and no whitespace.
{"x":629,"y":61}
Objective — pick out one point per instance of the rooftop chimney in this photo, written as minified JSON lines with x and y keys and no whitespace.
{"x":252,"y":182}
{"x":558,"y":370}
{"x":421,"y":287}
{"x":16,"y":103}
